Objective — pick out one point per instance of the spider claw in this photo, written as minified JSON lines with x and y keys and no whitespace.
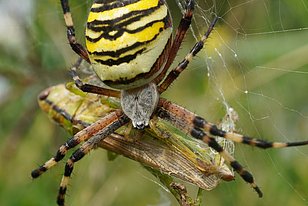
{"x":258,"y":190}
{"x":37,"y":172}
{"x":60,"y":198}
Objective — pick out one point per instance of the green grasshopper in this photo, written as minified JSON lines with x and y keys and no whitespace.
{"x":162,"y":149}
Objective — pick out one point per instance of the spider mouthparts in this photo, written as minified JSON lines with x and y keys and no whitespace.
{"x":140,"y":125}
{"x":139,"y":104}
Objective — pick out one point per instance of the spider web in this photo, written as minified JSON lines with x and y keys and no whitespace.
{"x":255,"y":61}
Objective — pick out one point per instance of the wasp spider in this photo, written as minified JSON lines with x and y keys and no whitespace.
{"x":161,"y":148}
{"x":130,"y":46}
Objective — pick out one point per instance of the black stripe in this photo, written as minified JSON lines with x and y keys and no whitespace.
{"x":120,"y":30}
{"x":263,"y":144}
{"x":60,"y":199}
{"x":197,"y":133}
{"x":214,"y":144}
{"x":106,"y":28}
{"x":111,"y":4}
{"x":256,"y":142}
{"x":62,"y":190}
{"x":217,"y":132}
{"x":58,"y":110}
{"x":130,"y":15}
{"x":77,"y":155}
{"x":59,"y":156}
{"x":199,"y":121}
{"x":154,"y":69}
{"x":72,"y":142}
{"x":69,"y":168}
{"x":36,"y":173}
{"x":244,"y":174}
{"x":197,"y":48}
{"x":104,"y":1}
{"x":181,"y":67}
{"x":65,"y":6}
{"x":127,"y":59}
{"x":43,"y":97}
{"x":70,"y":31}
{"x":295,"y":144}
{"x":117,"y":53}
{"x":236,"y":165}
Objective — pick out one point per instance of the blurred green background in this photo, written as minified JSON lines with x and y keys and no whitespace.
{"x":256,"y":61}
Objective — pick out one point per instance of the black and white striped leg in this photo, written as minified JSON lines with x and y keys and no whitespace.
{"x":211,"y":142}
{"x":186,"y":119}
{"x":89,"y":87}
{"x":183,"y":64}
{"x":79,"y":137}
{"x":247,"y":176}
{"x":85,"y":148}
{"x":78,"y":48}
{"x":199,"y":128}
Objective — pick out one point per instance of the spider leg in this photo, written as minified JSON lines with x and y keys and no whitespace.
{"x":179,"y":121}
{"x":188,"y":118}
{"x":183,"y":64}
{"x":179,"y":36}
{"x":89,"y":87}
{"x":79,"y":137}
{"x":78,"y":48}
{"x":85,"y":148}
{"x":81,"y":51}
{"x":199,"y":128}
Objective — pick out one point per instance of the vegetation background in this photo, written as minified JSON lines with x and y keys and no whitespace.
{"x":262,"y":73}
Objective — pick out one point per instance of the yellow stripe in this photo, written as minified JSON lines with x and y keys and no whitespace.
{"x":50,"y":163}
{"x":159,"y":14}
{"x":64,"y":181}
{"x":68,"y":19}
{"x":141,"y":64}
{"x":125,"y":40}
{"x":118,"y":12}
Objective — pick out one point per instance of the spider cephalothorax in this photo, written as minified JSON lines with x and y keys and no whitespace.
{"x":129,"y":45}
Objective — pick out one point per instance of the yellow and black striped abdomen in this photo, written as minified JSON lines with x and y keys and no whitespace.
{"x":125,"y":40}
